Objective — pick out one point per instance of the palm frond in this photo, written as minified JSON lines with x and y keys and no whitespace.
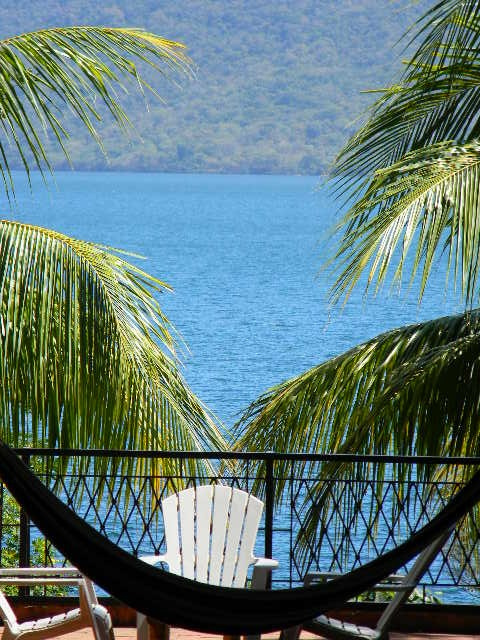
{"x":436,"y":99}
{"x":86,"y":354}
{"x":410,"y":391}
{"x":411,"y":176}
{"x":322,"y":409}
{"x":46,"y":74}
{"x":425,"y":204}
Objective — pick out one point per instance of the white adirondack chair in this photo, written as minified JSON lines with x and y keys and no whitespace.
{"x":210,"y":533}
{"x":88,"y":614}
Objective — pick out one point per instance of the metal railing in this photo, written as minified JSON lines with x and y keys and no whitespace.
{"x":125,"y":507}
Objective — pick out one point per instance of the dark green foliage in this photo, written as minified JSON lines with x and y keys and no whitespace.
{"x":10,"y":544}
{"x":277,"y":88}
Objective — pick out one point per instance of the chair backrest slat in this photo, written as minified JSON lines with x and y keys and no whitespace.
{"x":204,"y":523}
{"x":247,"y":543}
{"x":172,"y":534}
{"x":186,"y":504}
{"x":413,"y":577}
{"x":221,"y":507}
{"x":7,"y":614}
{"x":235,"y":528}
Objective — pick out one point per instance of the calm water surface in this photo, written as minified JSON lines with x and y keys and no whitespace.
{"x":243,"y":254}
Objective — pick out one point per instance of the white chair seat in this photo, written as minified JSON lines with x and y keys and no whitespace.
{"x":89,"y":614}
{"x":339,"y":627}
{"x":53,"y":621}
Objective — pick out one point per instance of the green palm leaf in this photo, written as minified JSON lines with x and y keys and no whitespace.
{"x":426,"y":203}
{"x":86,"y":354}
{"x":46,"y":74}
{"x":410,"y":391}
{"x":322,"y":409}
{"x":437,"y":98}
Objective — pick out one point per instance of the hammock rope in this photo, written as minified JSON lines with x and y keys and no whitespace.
{"x":181,"y":602}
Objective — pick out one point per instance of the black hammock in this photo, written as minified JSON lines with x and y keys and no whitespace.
{"x":193,"y":605}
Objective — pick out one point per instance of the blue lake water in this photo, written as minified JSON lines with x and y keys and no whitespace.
{"x":243,"y":254}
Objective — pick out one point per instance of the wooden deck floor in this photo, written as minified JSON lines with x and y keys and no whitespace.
{"x":124,"y":633}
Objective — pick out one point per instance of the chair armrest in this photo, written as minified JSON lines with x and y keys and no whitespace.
{"x":261,"y":569}
{"x":63,"y":572}
{"x":268,"y":563}
{"x":155,"y":559}
{"x":319,"y":576}
{"x":12,"y":580}
{"x":394,"y":582}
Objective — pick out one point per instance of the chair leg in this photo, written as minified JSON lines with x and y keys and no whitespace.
{"x":292,"y":633}
{"x":148,"y":629}
{"x":142,"y":627}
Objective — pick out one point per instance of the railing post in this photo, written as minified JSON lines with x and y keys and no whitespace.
{"x":24,"y":542}
{"x":269,"y":502}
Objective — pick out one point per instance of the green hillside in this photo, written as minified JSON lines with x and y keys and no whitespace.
{"x":276,"y":90}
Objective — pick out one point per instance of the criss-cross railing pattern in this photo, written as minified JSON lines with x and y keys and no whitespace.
{"x":360,"y":518}
{"x":385,"y":516}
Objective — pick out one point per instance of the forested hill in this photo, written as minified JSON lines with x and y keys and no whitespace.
{"x":277,"y":88}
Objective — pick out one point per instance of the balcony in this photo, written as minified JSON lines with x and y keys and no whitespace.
{"x":124,"y":505}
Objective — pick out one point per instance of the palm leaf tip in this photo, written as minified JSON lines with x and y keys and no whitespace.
{"x":48,"y":73}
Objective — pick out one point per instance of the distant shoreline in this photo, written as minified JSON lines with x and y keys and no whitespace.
{"x":19,"y":171}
